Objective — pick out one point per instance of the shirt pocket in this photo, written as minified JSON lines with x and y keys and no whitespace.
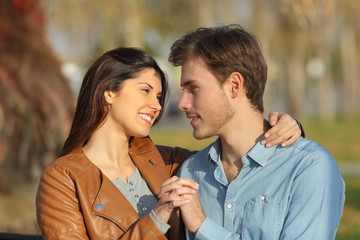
{"x":262,"y":218}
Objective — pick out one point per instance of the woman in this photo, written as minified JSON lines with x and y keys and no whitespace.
{"x":104,"y":185}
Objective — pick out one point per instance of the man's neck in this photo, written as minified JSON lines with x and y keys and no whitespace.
{"x":239,"y":139}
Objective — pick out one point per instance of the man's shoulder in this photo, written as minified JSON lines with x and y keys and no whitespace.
{"x":308,"y":153}
{"x":308,"y":147}
{"x":196,"y":161}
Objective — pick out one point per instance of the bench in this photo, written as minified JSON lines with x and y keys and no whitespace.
{"x":13,"y":236}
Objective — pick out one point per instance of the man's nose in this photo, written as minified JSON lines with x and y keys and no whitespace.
{"x":184,"y":102}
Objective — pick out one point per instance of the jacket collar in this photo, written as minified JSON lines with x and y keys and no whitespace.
{"x":150,"y":164}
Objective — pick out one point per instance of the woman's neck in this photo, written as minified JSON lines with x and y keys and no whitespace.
{"x":109,"y":151}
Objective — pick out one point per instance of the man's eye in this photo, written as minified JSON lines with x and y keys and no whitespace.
{"x":193,"y":88}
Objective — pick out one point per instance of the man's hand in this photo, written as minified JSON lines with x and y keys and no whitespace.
{"x":285,"y":130}
{"x":175,"y":192}
{"x":192,"y":213}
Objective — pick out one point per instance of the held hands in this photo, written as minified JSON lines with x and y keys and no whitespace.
{"x":192,"y":213}
{"x":175,"y":192}
{"x":285,"y":130}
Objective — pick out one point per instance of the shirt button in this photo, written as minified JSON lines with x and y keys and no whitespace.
{"x":131,"y":190}
{"x":229,"y":205}
{"x":263,"y":197}
{"x":130,"y":183}
{"x":99,"y":206}
{"x":144,"y":209}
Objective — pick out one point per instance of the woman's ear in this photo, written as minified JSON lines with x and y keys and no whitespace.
{"x":236,"y":82}
{"x":109,"y":96}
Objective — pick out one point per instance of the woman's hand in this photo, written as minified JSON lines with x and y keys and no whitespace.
{"x":173,"y":194}
{"x":285,"y":130}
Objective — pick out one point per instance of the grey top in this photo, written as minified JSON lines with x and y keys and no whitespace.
{"x":140,"y":196}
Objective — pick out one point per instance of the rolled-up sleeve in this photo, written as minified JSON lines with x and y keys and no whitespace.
{"x":210,"y":230}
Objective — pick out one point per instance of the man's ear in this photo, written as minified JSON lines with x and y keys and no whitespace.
{"x":109,"y":95}
{"x":236,"y":81}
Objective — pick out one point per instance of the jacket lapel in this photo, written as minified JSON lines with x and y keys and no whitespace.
{"x":112,"y":205}
{"x":149,"y":162}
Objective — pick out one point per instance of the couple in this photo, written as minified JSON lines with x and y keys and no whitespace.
{"x":112,"y":182}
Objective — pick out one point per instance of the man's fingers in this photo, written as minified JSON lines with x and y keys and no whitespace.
{"x":177,"y":198}
{"x":169,"y":186}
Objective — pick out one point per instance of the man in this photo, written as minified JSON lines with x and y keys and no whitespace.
{"x":247,"y":191}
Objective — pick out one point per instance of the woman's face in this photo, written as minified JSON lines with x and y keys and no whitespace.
{"x":135,"y":107}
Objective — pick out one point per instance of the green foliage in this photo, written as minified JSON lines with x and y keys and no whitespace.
{"x":350,"y":220}
{"x":179,"y":137}
{"x":339,"y":136}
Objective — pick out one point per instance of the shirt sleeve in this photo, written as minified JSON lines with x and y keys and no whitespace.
{"x":317,"y":200}
{"x":210,"y":230}
{"x":164,"y":227}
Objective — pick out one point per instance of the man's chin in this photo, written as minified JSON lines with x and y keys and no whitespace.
{"x":200,"y":136}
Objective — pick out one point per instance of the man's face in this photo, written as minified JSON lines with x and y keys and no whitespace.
{"x":203,"y":99}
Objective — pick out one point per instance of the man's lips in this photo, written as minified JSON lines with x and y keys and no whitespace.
{"x":194,"y":118}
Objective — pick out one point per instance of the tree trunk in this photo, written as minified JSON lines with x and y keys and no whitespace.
{"x":296,"y":79}
{"x":36,"y":101}
{"x":133,"y":23}
{"x":350,"y":72}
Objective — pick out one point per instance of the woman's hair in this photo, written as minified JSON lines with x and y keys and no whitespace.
{"x":107,"y":73}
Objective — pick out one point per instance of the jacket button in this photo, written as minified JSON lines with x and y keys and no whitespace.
{"x":99,"y":206}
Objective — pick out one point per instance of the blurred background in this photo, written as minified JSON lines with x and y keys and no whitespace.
{"x":312,"y":48}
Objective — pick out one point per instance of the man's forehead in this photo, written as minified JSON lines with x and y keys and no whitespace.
{"x":197,"y":61}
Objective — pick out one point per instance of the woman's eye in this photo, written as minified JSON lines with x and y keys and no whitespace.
{"x":145,"y":90}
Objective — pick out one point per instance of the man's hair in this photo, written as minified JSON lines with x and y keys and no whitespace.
{"x":226,"y":49}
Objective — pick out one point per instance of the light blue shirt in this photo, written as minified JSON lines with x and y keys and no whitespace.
{"x":294,"y":192}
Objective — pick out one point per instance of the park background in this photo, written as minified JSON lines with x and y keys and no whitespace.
{"x":312,"y":49}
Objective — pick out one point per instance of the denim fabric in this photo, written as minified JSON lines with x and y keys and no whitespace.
{"x":294,"y":192}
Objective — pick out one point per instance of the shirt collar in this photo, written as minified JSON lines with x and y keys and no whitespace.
{"x":215,"y":151}
{"x":259,"y":153}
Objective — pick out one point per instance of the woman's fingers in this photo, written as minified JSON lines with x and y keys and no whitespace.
{"x":174,"y":193}
{"x":285,"y":130}
{"x":176,"y":182}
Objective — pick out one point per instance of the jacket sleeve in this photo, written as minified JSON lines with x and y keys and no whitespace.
{"x":57,"y":206}
{"x":174,"y":157}
{"x":59,"y":213}
{"x":144,"y":228}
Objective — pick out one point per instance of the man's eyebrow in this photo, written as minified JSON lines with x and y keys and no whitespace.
{"x":187,"y":83}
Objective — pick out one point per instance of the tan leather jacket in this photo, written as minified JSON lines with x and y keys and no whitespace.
{"x":76,"y":201}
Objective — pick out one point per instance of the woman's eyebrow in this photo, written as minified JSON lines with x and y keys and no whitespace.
{"x":150,"y":86}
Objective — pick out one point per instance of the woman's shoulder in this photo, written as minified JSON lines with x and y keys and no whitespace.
{"x":74,"y":163}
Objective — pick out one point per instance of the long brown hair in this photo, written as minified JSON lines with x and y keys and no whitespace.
{"x":107,"y":73}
